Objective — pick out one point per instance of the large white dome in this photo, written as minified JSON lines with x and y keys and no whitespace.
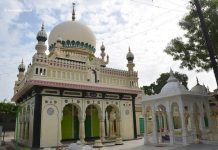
{"x":73,"y":33}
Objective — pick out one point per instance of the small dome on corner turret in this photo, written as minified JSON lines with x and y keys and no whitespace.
{"x":130,"y":55}
{"x":102,"y":47}
{"x":42,"y":35}
{"x":21,"y":67}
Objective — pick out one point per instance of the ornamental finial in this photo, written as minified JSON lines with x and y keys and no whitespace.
{"x":197,"y":80}
{"x":43,"y":27}
{"x":171,"y":72}
{"x":73,"y":13}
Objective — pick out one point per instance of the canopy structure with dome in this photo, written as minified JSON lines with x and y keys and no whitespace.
{"x":70,"y":94}
{"x":176,"y":114}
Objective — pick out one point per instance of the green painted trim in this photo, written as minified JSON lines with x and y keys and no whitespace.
{"x":141,"y":125}
{"x":74,"y":44}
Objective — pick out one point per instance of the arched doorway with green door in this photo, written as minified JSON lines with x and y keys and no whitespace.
{"x":92,"y":123}
{"x":70,"y":122}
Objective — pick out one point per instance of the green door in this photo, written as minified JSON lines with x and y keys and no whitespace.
{"x":67,"y":123}
{"x":91,"y":122}
{"x":141,"y":123}
{"x":70,"y":123}
{"x":88,"y":127}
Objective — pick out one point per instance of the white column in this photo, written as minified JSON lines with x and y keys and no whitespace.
{"x":184,"y":130}
{"x":118,"y":127}
{"x":81,"y":131}
{"x":155,"y":139}
{"x":119,"y":122}
{"x":165,"y":122}
{"x":102,"y":129}
{"x":193,"y":123}
{"x":201,"y":121}
{"x":171,"y":126}
{"x":160,"y":125}
{"x":145,"y":130}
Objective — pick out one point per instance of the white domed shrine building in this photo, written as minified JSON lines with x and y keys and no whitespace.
{"x":176,"y":115}
{"x":70,"y":94}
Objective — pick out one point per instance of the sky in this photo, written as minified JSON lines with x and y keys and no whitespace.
{"x":147,"y":26}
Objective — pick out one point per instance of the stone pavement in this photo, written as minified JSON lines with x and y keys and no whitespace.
{"x":138,"y":145}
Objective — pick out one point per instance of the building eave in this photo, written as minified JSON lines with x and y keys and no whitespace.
{"x":76,"y":86}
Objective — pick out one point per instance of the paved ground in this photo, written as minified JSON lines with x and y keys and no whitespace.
{"x":136,"y":145}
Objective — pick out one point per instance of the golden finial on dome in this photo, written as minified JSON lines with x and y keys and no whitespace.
{"x":73,"y":13}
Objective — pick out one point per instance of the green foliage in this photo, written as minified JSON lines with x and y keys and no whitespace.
{"x":191,"y":50}
{"x":155,"y":88}
{"x":9,"y":108}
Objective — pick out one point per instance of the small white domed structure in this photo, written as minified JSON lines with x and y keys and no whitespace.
{"x":199,"y":89}
{"x":171,"y":110}
{"x":73,"y":34}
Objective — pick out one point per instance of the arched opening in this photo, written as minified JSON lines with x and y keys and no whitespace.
{"x":93,"y":76}
{"x":70,"y":122}
{"x":24,"y":124}
{"x":112,"y":122}
{"x":196,"y":122}
{"x":162,"y":124}
{"x":206,"y":122}
{"x":27,"y":123}
{"x":92,"y":128}
{"x":187,"y":118}
{"x":176,"y":116}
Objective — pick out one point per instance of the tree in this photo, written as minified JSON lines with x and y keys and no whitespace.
{"x":8,"y":108}
{"x":155,"y":88}
{"x":191,"y":50}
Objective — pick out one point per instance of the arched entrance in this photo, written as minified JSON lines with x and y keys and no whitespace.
{"x":206,"y":121}
{"x":196,"y":120}
{"x":70,"y":122}
{"x":162,"y":124}
{"x":176,"y":116}
{"x":112,"y":122}
{"x":92,"y":125}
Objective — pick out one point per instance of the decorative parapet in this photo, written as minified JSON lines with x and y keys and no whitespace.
{"x":59,"y":63}
{"x":118,"y":72}
{"x":74,"y":44}
{"x":81,"y":66}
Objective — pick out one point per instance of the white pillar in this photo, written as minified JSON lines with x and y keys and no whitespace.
{"x":193,"y":123}
{"x":201,"y":121}
{"x":81,"y":131}
{"x":165,"y":122}
{"x":160,"y":125}
{"x":119,"y":122}
{"x":171,"y":126}
{"x":155,"y":139}
{"x":145,"y":130}
{"x":184,"y":130}
{"x":102,"y":129}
